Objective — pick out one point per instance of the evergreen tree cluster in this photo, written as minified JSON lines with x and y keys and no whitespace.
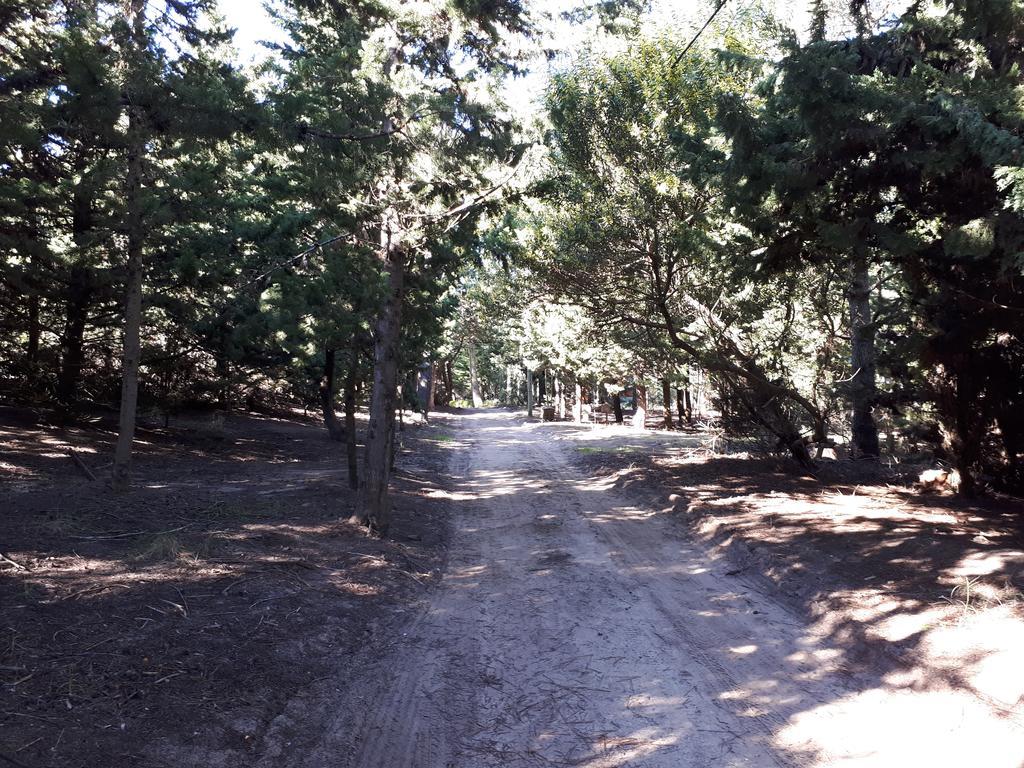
{"x":831,"y":229}
{"x":177,"y":231}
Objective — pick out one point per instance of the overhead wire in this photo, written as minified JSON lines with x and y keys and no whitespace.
{"x":689,"y":45}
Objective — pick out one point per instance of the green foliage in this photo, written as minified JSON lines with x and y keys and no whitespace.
{"x":903,"y":146}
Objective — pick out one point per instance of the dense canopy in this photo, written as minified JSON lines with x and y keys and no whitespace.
{"x":818,"y":232}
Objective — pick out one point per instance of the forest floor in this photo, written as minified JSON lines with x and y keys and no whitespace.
{"x":551,"y":595}
{"x":170,"y":625}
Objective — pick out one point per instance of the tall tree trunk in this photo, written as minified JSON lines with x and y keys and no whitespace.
{"x":508,"y":384}
{"x":640,"y":416}
{"x":374,"y":508}
{"x":121,"y":474}
{"x":474,"y":379}
{"x":529,"y":393}
{"x":334,"y":428}
{"x":862,"y":359}
{"x":32,"y":348}
{"x":540,"y":387}
{"x":350,"y":418}
{"x":559,"y":398}
{"x":680,"y":407}
{"x":79,"y":299}
{"x":135,"y":237}
{"x":432,"y":392}
{"x":577,"y":403}
{"x":222,"y":366}
{"x":666,"y":397}
{"x":689,"y":406}
{"x":449,"y":382}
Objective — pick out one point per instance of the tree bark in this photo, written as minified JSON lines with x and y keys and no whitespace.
{"x":374,"y":504}
{"x":617,"y":406}
{"x":79,"y":299}
{"x":135,"y":235}
{"x":350,"y":418}
{"x":689,"y":406}
{"x":862,"y":388}
{"x":334,"y":428}
{"x":32,"y":348}
{"x":540,"y":387}
{"x":666,"y":396}
{"x":680,"y":407}
{"x":559,"y":398}
{"x":432,"y":393}
{"x":577,"y":403}
{"x":449,"y":385}
{"x":222,"y":365}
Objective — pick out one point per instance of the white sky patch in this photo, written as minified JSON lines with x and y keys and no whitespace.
{"x":253,"y":24}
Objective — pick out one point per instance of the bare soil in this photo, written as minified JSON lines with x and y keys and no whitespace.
{"x":170,"y":625}
{"x":612,"y":598}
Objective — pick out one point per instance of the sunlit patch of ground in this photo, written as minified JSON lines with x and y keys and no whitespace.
{"x":927,"y":587}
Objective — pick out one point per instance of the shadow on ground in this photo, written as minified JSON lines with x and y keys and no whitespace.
{"x":187,"y":612}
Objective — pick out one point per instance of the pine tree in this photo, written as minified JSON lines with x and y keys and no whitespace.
{"x":426,"y":139}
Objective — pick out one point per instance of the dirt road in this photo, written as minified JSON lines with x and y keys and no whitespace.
{"x":575,"y":629}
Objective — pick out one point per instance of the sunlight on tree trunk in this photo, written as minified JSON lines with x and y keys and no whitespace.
{"x":374,"y":504}
{"x":121,"y":472}
{"x":640,"y":416}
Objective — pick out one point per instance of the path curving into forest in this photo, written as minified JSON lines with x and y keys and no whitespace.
{"x":574,"y":628}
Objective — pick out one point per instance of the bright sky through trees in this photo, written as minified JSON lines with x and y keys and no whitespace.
{"x":253,"y":24}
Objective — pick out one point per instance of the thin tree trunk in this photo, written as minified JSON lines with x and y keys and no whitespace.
{"x":666,"y":397}
{"x":508,"y":384}
{"x":689,"y":406}
{"x":680,"y":407}
{"x":474,"y":380}
{"x":640,"y":417}
{"x":863,"y":389}
{"x":449,"y":382}
{"x":79,"y":298}
{"x":394,"y":438}
{"x":334,"y":428}
{"x":617,"y":407}
{"x":129,"y":367}
{"x":432,"y":392}
{"x":529,"y":393}
{"x":577,"y":405}
{"x":222,"y":365}
{"x":374,"y":508}
{"x":121,"y":472}
{"x":350,"y":418}
{"x":32,"y":348}
{"x":559,"y":398}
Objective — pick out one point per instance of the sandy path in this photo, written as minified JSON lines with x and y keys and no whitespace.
{"x":575,"y":629}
